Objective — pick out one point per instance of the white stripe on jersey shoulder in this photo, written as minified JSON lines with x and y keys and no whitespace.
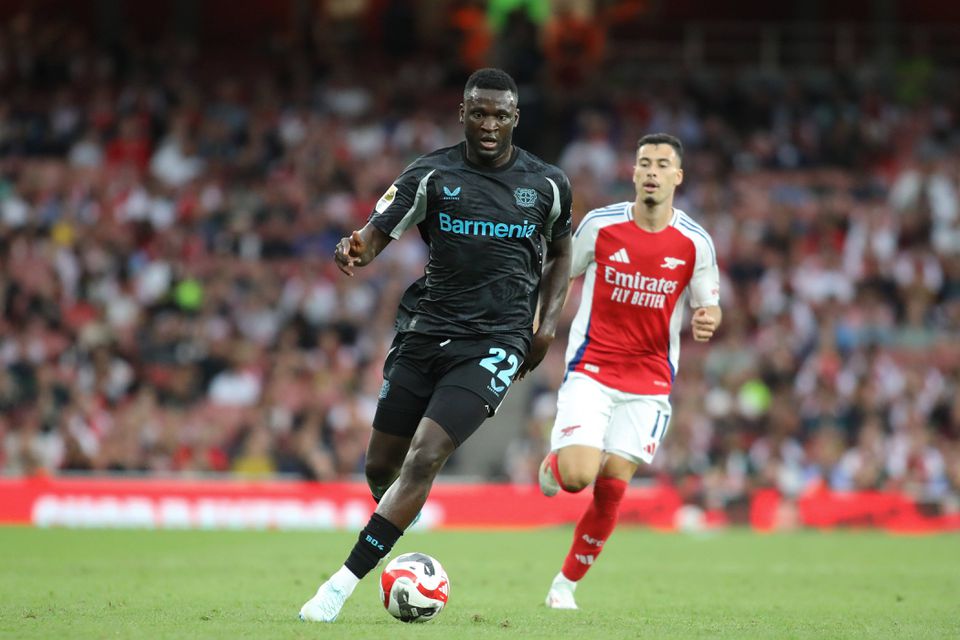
{"x":686,"y":225}
{"x":417,"y":211}
{"x":682,"y":216}
{"x":605,"y":215}
{"x":554,"y":211}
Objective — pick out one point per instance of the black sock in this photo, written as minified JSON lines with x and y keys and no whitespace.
{"x":374,"y":543}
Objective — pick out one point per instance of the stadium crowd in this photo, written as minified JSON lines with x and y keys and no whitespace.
{"x":168,"y":302}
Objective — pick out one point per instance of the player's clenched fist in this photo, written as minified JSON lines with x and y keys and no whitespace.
{"x":704,"y":324}
{"x":349,"y":251}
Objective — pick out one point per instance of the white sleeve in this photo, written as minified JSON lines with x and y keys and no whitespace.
{"x":584,"y":245}
{"x":705,"y":283}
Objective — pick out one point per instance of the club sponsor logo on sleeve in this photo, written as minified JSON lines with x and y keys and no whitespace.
{"x":386,"y":199}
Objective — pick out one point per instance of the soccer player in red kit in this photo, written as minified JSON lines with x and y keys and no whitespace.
{"x":642,"y":261}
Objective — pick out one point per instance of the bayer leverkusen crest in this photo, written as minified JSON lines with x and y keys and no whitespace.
{"x":525,"y":197}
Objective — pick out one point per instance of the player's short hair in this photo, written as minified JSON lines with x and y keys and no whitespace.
{"x":663,"y":138}
{"x":490,"y":78}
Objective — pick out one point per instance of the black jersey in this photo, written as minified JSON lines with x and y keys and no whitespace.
{"x":484,"y":228}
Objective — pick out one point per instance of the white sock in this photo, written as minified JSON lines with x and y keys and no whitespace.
{"x":344,"y":580}
{"x":562,"y":581}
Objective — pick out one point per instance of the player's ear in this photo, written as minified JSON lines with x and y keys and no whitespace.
{"x":679,"y":176}
{"x":461,"y":113}
{"x":516,"y":118}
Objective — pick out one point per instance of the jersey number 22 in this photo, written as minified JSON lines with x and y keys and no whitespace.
{"x":492,"y":364}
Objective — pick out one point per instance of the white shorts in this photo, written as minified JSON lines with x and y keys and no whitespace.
{"x":590,"y":414}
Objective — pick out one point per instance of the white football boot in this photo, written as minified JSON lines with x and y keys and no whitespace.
{"x":325,"y":606}
{"x":560,"y":595}
{"x":549,"y":486}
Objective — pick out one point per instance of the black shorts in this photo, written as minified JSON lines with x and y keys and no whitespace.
{"x":421,"y":364}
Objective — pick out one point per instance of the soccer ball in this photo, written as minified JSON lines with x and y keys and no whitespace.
{"x":414,"y":587}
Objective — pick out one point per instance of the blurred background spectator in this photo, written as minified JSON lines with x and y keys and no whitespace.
{"x":173,"y":180}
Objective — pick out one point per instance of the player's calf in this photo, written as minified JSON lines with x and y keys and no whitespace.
{"x":594,"y":527}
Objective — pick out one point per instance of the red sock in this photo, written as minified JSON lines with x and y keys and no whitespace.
{"x":595,"y":526}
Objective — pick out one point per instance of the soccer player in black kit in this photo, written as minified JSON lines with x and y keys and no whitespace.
{"x":466,"y":328}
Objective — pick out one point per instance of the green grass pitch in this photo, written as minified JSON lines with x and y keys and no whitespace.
{"x":180,"y":584}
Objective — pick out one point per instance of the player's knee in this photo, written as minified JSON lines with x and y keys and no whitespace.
{"x":424,"y":462}
{"x":577,"y":472}
{"x":380,"y":472}
{"x":577,"y":481}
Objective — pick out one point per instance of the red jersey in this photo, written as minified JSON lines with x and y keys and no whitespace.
{"x":626,"y":334}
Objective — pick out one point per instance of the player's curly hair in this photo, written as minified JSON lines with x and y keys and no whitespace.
{"x":490,"y":78}
{"x":663,"y":138}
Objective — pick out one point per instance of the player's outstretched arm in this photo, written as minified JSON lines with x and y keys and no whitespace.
{"x":706,"y":321}
{"x":553,"y":293}
{"x":360,"y":248}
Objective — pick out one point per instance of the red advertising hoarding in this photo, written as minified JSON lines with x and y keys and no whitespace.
{"x":209,"y":504}
{"x":225,"y":504}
